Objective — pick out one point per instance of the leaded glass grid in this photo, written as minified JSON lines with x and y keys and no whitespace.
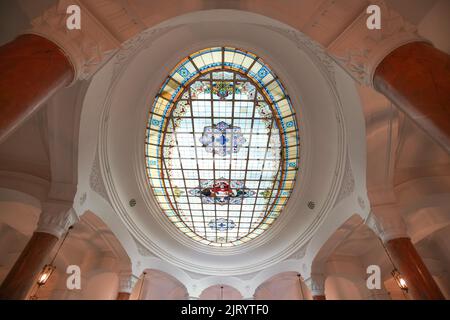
{"x":222,"y":147}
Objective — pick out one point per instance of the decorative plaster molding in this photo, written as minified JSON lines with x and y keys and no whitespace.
{"x":88,"y":48}
{"x":300,"y":253}
{"x":146,"y":240}
{"x":143,"y":250}
{"x":360,"y":50}
{"x":387,"y":223}
{"x":315,"y":50}
{"x":56,"y":218}
{"x":316,"y":284}
{"x":82,"y":199}
{"x":133,"y":45}
{"x":95,"y":179}
{"x":348,"y":182}
{"x":127,"y":281}
{"x":361,"y":203}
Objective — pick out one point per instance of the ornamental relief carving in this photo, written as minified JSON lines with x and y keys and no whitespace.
{"x":88,"y":48}
{"x":317,"y":51}
{"x":96,"y":180}
{"x":348,"y":182}
{"x":359,"y":50}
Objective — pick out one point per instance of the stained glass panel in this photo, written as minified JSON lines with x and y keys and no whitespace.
{"x":222,"y":147}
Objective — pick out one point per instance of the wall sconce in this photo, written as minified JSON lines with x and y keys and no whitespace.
{"x":142,"y":285}
{"x":299,"y":276}
{"x":401,"y":282}
{"x":48,"y":269}
{"x":45,"y":274}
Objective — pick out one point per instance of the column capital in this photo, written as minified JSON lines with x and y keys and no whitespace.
{"x":387,"y":223}
{"x":56,"y":217}
{"x":379,"y":294}
{"x":360,"y":50}
{"x":127,"y":281}
{"x":87,"y":48}
{"x":316,"y":284}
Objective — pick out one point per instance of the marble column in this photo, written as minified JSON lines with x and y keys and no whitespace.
{"x":390,"y":227}
{"x":416,"y":77}
{"x":397,"y":62}
{"x":32,"y":68}
{"x":419,"y":280}
{"x":127,"y":281}
{"x":54,"y":221}
{"x":316,"y":285}
{"x":51,"y":56}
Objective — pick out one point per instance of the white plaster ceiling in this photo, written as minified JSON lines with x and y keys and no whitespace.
{"x":316,"y":103}
{"x":26,"y":150}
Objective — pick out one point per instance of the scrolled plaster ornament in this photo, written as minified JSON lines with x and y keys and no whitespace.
{"x":314,"y":49}
{"x":133,"y":45}
{"x":348,"y":182}
{"x":127,"y":281}
{"x":143,"y":250}
{"x":387,"y":223}
{"x":316,"y":284}
{"x":359,"y":50}
{"x":56,"y":218}
{"x":88,"y":48}
{"x":96,"y":180}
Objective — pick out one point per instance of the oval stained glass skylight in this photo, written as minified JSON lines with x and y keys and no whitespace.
{"x":222,"y":147}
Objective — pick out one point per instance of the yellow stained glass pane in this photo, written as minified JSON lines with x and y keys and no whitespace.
{"x":153,"y":138}
{"x":275,"y":89}
{"x":198,"y":62}
{"x":284,"y":108}
{"x":291,"y":174}
{"x":238,"y":58}
{"x":169,"y":89}
{"x":152,"y":150}
{"x":160,"y":106}
{"x":247,"y":62}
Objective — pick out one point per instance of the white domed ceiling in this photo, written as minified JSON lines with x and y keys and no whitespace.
{"x":155,"y":77}
{"x":222,"y":146}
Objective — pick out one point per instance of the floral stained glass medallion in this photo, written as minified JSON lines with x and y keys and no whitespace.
{"x":222,"y":147}
{"x":222,"y":192}
{"x":222,"y":139}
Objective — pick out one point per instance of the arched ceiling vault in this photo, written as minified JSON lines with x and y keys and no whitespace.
{"x":170,"y":27}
